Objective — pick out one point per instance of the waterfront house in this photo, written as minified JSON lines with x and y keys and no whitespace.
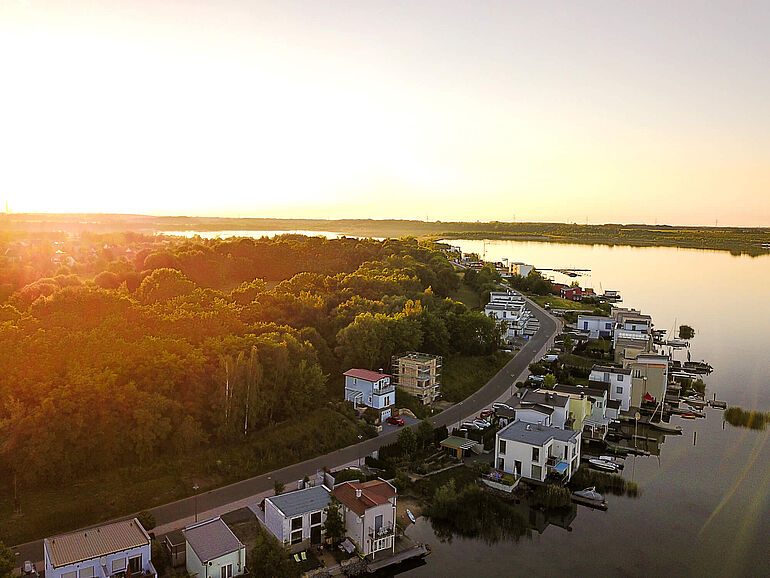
{"x":369,"y":513}
{"x":596,"y":325}
{"x":296,"y":518}
{"x":542,"y":406}
{"x":649,"y":378}
{"x":521,"y":269}
{"x":537,"y":451}
{"x":418,"y":374}
{"x":572,"y":293}
{"x":213,"y":551}
{"x":617,"y":382}
{"x":370,"y":389}
{"x":588,"y":410}
{"x":629,"y":344}
{"x":106,"y":551}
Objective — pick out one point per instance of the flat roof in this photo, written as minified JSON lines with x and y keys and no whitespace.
{"x":605,"y":368}
{"x":95,"y":542}
{"x":577,"y":390}
{"x":301,"y":501}
{"x":458,"y":443}
{"x":545,"y":397}
{"x":602,"y":317}
{"x":211,"y":539}
{"x":535,"y":435}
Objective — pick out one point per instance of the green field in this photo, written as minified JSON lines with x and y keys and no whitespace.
{"x":559,"y":303}
{"x":468,"y":296}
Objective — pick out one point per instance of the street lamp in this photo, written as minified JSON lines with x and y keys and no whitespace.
{"x":196,"y":487}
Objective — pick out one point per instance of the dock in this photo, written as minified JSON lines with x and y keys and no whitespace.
{"x":418,"y":551}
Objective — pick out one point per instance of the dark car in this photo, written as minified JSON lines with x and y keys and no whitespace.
{"x":393,"y":420}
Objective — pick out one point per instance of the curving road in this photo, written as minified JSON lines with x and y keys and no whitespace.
{"x":496,"y":388}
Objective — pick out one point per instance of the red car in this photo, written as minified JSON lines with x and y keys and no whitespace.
{"x":393,"y":420}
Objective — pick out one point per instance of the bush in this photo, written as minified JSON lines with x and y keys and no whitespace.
{"x":146,"y":519}
{"x":551,"y":497}
{"x":739,"y":417}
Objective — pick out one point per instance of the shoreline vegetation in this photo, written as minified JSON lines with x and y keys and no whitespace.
{"x":752,"y":241}
{"x":739,"y":417}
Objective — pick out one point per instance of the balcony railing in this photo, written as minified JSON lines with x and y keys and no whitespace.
{"x":381,"y":532}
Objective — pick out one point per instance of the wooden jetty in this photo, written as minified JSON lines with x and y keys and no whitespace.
{"x":419,"y":551}
{"x":595,"y":504}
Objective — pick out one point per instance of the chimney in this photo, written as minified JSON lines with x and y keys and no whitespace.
{"x":529,"y":427}
{"x":358,"y":492}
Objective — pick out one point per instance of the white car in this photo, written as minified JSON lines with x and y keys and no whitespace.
{"x":470,"y":426}
{"x":482,"y":423}
{"x":498,"y":405}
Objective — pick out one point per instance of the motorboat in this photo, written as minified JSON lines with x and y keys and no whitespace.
{"x":589,"y":494}
{"x":411,"y":516}
{"x":603,"y":465}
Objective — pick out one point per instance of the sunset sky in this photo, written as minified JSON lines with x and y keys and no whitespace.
{"x":560,"y":111}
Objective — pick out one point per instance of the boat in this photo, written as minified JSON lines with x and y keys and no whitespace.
{"x":688,"y":416}
{"x":411,"y":516}
{"x":603,"y":465}
{"x":699,"y":367}
{"x":612,"y":460}
{"x":589,"y":494}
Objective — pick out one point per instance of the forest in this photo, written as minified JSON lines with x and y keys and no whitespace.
{"x":138,"y":355}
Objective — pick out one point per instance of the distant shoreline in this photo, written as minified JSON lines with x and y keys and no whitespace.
{"x":752,"y":241}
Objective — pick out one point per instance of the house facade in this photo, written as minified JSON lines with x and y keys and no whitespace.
{"x":535,"y":405}
{"x":296,"y":518}
{"x":535,"y":452}
{"x":617,"y":382}
{"x":108,"y":551}
{"x":597,"y":326}
{"x":213,"y":551}
{"x":418,"y":374}
{"x":370,"y":389}
{"x":369,"y":512}
{"x":649,"y":378}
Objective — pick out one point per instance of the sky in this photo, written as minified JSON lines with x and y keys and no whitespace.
{"x":632,"y":112}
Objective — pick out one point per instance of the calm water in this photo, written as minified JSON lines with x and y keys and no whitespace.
{"x":704,"y":508}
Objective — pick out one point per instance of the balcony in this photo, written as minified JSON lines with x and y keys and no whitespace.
{"x":382,"y":532}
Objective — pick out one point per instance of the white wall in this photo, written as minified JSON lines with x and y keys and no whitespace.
{"x":533,"y":416}
{"x":214,"y":568}
{"x":96,"y":563}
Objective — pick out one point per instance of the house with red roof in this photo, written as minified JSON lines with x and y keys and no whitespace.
{"x":370,"y":389}
{"x":369,"y":512}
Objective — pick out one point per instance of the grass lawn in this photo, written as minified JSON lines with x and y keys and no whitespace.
{"x":462,"y":475}
{"x":463,"y":375}
{"x":559,"y":303}
{"x":467,"y":295}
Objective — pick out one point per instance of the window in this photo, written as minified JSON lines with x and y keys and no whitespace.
{"x":135,"y":564}
{"x":70,"y":575}
{"x":620,"y":389}
{"x":119,"y":565}
{"x":87,"y":572}
{"x":296,"y":537}
{"x":537,"y":472}
{"x":608,"y":325}
{"x":226,"y":571}
{"x":535,"y":454}
{"x":315,"y":518}
{"x":620,"y":377}
{"x":637,"y":373}
{"x":502,"y":446}
{"x":377,"y":522}
{"x":606,"y":376}
{"x":296,"y":523}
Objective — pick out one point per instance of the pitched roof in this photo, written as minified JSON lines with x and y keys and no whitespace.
{"x":95,"y":542}
{"x":302,"y":501}
{"x":366,"y":374}
{"x":373,"y":493}
{"x":211,"y":539}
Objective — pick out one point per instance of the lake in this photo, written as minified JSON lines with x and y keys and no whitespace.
{"x":704,"y":508}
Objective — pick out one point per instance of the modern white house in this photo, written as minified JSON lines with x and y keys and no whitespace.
{"x":100,"y":552}
{"x":370,"y":389}
{"x":213,"y":551}
{"x":519,"y":268}
{"x":296,"y":518}
{"x":510,"y":308}
{"x":542,"y":407}
{"x":369,"y":512}
{"x":596,"y":325}
{"x":617,"y":382}
{"x":536,"y":451}
{"x":595,"y":425}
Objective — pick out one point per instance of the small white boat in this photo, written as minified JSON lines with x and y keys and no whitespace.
{"x":611,"y":460}
{"x":590,"y":494}
{"x":411,"y":516}
{"x":603,"y":465}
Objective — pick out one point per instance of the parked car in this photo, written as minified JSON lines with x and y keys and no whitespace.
{"x":498,"y":405}
{"x":470,"y":425}
{"x":486,"y":413}
{"x":395,"y":420}
{"x":482,"y":423}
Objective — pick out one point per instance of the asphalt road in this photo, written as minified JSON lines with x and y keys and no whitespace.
{"x":497,"y":387}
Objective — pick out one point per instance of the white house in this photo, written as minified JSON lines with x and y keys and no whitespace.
{"x":542,"y":407}
{"x":296,"y":518}
{"x":536,"y":451}
{"x":509,"y":307}
{"x":370,"y":389}
{"x":519,"y":268}
{"x":101,"y":552}
{"x":369,"y":512}
{"x":617,"y":382}
{"x":597,"y":326}
{"x":213,"y":551}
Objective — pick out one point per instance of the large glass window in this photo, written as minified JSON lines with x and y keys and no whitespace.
{"x":86,"y":572}
{"x":296,"y":537}
{"x":537,"y":472}
{"x":535,"y":454}
{"x":135,"y":564}
{"x":502,"y":446}
{"x":119,"y":565}
{"x":296,"y":523}
{"x":226,"y":571}
{"x":315,"y":518}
